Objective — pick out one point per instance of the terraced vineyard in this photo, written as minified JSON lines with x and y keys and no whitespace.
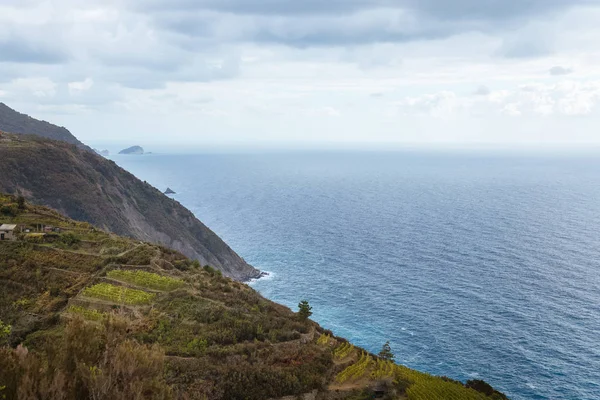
{"x":146,"y":279}
{"x":87,"y":313}
{"x":420,"y":386}
{"x":428,"y":387}
{"x":118,"y":294}
{"x":383,"y":369}
{"x":343,"y":350}
{"x":356,"y":370}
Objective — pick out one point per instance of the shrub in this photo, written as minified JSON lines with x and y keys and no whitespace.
{"x":21,"y":203}
{"x":9,"y":211}
{"x":197,"y":346}
{"x":87,"y":313}
{"x":69,"y":239}
{"x":5,"y":330}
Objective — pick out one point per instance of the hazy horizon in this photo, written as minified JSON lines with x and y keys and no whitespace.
{"x":288,"y":147}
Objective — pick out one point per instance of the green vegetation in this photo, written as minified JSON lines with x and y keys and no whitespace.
{"x":304,"y":310}
{"x":90,"y":361}
{"x":356,"y":370}
{"x":343,"y":350}
{"x":199,"y":336}
{"x":386,"y":352}
{"x":69,"y":239}
{"x":118,"y":294}
{"x":4,"y":332}
{"x":210,"y":270}
{"x":383,"y":369}
{"x":21,"y":203}
{"x":324,"y":339}
{"x":425,"y":387}
{"x":146,"y":279}
{"x":87,"y":313}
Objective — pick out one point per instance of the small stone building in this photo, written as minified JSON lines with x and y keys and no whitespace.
{"x":7,"y":232}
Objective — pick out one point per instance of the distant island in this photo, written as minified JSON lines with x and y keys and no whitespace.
{"x":170,"y":191}
{"x":133,"y":150}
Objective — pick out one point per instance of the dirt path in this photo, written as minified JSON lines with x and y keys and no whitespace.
{"x":130,"y":250}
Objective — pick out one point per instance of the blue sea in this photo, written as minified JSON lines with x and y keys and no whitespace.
{"x":472,"y":264}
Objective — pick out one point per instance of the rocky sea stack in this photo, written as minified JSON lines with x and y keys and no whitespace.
{"x":138,"y":150}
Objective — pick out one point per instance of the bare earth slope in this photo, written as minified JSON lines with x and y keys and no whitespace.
{"x":87,"y":187}
{"x":15,"y":122}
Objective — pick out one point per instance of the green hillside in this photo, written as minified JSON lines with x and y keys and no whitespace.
{"x":90,"y":315}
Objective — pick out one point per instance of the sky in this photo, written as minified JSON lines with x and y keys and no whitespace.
{"x":296,"y":73}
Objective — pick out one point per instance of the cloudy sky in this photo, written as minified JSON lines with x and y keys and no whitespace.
{"x":307,"y":72}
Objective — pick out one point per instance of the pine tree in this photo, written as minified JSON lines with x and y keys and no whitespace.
{"x":386,"y":352}
{"x":304,"y":309}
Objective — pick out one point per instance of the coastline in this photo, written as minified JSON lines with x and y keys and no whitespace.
{"x":260,"y":275}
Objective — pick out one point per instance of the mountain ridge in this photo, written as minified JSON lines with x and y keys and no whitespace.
{"x":15,"y":122}
{"x":85,"y":186}
{"x":61,"y":172}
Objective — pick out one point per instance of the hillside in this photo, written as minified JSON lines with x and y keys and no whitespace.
{"x":85,"y":314}
{"x":15,"y":122}
{"x":87,"y":187}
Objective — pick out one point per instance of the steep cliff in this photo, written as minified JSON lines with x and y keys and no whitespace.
{"x":87,"y":187}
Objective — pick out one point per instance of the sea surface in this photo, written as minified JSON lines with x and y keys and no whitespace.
{"x":472,"y":264}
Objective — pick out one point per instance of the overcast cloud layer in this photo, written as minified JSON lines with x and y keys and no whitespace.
{"x":288,"y":72}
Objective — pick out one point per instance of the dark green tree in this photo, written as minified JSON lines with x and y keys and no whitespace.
{"x":21,"y":202}
{"x":386,"y":352}
{"x":304,"y":309}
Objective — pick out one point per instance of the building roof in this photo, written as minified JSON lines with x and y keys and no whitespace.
{"x":7,"y":227}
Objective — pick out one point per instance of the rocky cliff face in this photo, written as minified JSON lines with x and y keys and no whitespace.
{"x":87,"y":187}
{"x":15,"y":122}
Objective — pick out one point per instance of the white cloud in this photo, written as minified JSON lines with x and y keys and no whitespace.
{"x":81,"y":86}
{"x":38,"y":87}
{"x":443,"y":104}
{"x":558,"y":71}
{"x":565,"y":99}
{"x":482,"y":90}
{"x":304,"y":70}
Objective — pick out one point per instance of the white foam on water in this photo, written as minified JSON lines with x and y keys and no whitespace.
{"x":266,"y":277}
